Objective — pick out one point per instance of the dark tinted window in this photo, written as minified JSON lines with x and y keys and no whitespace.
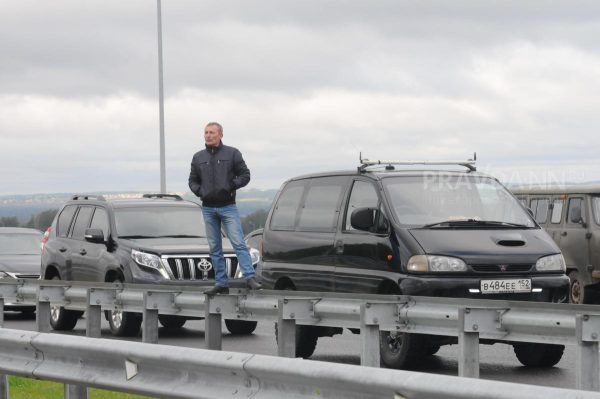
{"x":82,"y":221}
{"x":320,"y":209}
{"x":64,"y":220}
{"x":576,"y":204}
{"x":160,"y":221}
{"x":100,"y":221}
{"x":284,"y":214}
{"x":539,"y":207}
{"x":557,"y":207}
{"x":363,"y":196}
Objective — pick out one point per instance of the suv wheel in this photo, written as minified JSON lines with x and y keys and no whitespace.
{"x":538,"y":355}
{"x":240,"y":327}
{"x":577,"y":286}
{"x":62,"y":319}
{"x":306,"y":336}
{"x":400,"y":350}
{"x":123,"y":324}
{"x":171,"y":322}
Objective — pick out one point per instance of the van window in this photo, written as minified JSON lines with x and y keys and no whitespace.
{"x":596,"y":207}
{"x":320,"y":209}
{"x":539,"y":207}
{"x":557,"y":207}
{"x":363,"y":196}
{"x":575,"y":203}
{"x":284,"y":213}
{"x":82,"y":222}
{"x":64,"y":220}
{"x":100,"y":221}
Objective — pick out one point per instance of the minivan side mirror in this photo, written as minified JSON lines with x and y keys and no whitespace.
{"x":363,"y":218}
{"x":94,"y":235}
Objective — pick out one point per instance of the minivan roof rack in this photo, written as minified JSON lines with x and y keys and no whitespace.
{"x":365,"y":163}
{"x":159,"y":195}
{"x":88,"y":197}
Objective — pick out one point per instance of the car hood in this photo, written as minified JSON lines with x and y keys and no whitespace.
{"x":22,"y":264}
{"x":169,"y":245}
{"x":483,"y":246}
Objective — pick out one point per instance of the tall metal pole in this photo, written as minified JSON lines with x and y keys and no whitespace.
{"x":163,"y":179}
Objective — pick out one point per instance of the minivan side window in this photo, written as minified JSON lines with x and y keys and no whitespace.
{"x":100,"y":221}
{"x":363,"y":195}
{"x":82,"y":222}
{"x":596,"y":207}
{"x":539,"y":207}
{"x":284,"y":213}
{"x":557,"y":207}
{"x":320,"y":209}
{"x":576,"y":203}
{"x":64,"y":220}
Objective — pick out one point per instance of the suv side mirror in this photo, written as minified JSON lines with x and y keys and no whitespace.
{"x":94,"y":235}
{"x":363,"y":218}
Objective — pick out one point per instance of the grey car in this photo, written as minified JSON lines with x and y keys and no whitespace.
{"x":20,"y":253}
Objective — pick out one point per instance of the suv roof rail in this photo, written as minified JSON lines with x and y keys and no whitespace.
{"x":159,"y":195}
{"x":365,"y":163}
{"x":88,"y":197}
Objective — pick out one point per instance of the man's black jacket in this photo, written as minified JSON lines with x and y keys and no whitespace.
{"x":216,"y":173}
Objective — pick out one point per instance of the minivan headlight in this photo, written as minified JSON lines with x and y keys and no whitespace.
{"x":149,"y":260}
{"x":551,"y":263}
{"x":434,"y":263}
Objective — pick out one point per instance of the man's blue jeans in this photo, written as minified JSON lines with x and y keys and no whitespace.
{"x":229,"y":218}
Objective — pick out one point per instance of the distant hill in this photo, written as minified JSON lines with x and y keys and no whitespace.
{"x":24,"y":206}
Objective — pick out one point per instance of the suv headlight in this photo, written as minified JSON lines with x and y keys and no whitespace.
{"x":434,"y":263}
{"x":255,"y":256}
{"x":551,"y":263}
{"x":149,"y":260}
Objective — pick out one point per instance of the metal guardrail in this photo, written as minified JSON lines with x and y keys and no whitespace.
{"x":469,"y":320}
{"x":174,"y":372}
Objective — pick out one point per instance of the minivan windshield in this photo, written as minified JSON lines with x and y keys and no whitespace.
{"x":159,"y":221}
{"x":454,"y":201}
{"x":20,"y":244}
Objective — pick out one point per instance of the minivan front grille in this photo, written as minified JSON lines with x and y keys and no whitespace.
{"x":501,"y":268}
{"x":192,"y":267}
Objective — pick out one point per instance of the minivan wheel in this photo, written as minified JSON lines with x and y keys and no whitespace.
{"x":123,"y":324}
{"x":400,"y":350}
{"x":538,"y":355}
{"x":62,"y":319}
{"x":171,"y":322}
{"x":577,"y":285}
{"x":240,"y":327}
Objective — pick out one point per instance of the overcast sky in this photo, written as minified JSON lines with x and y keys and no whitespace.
{"x":299,"y":86}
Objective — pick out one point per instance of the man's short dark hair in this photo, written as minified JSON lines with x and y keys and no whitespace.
{"x":217,"y":124}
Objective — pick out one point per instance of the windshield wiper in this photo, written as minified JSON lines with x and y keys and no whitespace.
{"x":137,"y":236}
{"x":474,"y":222}
{"x":181,"y":236}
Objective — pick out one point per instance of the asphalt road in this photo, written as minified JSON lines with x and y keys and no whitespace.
{"x":497,"y":362}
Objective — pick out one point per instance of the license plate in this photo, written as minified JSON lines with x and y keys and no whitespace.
{"x":505,"y":286}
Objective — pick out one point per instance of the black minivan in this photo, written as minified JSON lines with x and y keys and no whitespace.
{"x":384,"y":230}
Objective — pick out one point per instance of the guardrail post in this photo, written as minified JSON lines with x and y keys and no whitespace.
{"x":369,"y":338}
{"x":3,"y":386}
{"x":213,"y":325}
{"x":93,"y":316}
{"x":42,"y":314}
{"x":1,"y":312}
{"x":468,"y":343}
{"x":587,"y":328}
{"x":150,"y":320}
{"x":75,"y":392}
{"x":286,"y":331}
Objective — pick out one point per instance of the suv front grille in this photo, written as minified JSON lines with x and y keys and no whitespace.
{"x":191,"y":267}
{"x":501,"y":268}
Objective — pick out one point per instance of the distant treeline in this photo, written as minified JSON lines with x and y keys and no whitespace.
{"x":43,"y":220}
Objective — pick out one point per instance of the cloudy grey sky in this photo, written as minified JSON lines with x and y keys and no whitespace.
{"x":299,"y":87}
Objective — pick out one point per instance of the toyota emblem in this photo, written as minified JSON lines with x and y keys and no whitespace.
{"x":204,"y":266}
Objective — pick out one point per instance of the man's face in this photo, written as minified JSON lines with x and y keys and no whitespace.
{"x":212,"y":135}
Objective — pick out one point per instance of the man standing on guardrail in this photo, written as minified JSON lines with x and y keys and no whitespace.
{"x":216,"y":173}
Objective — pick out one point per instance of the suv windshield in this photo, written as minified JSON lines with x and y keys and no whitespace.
{"x":20,"y":244}
{"x":454,"y":201}
{"x":163,"y":221}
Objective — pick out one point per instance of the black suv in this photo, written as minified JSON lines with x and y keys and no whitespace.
{"x":157,"y":239}
{"x":455,"y":233}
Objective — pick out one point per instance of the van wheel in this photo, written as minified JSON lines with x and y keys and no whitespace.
{"x":577,"y":285}
{"x":431,"y":349}
{"x":538,"y":355}
{"x":306,"y":336}
{"x":401,"y":350}
{"x":171,"y":322}
{"x":62,"y":319}
{"x":240,"y":327}
{"x":123,"y":324}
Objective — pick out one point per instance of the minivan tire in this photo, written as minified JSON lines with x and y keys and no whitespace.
{"x":576,"y":292}
{"x":400,"y":350}
{"x":62,"y":319}
{"x":538,"y":355}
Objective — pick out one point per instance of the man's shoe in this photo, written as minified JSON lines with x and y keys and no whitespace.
{"x":253,"y":284}
{"x":217,"y":290}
